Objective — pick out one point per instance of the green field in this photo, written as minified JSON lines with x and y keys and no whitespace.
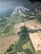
{"x":23,"y":47}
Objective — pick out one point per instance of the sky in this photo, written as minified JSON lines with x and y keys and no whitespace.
{"x":7,"y":4}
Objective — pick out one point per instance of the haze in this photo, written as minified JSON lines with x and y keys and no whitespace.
{"x":7,"y":4}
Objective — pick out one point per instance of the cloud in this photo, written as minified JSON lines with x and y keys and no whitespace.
{"x":5,"y":4}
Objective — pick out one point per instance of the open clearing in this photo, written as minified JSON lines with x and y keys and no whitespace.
{"x":36,"y":41}
{"x":31,"y":24}
{"x":5,"y":42}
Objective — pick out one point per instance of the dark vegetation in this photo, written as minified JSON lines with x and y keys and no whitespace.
{"x":10,"y":48}
{"x":28,"y":51}
{"x":24,"y":38}
{"x":23,"y":33}
{"x":18,"y":48}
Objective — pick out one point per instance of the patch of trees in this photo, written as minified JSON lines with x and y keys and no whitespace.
{"x":10,"y":50}
{"x":23,"y":33}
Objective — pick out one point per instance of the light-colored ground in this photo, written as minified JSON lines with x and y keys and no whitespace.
{"x":31,"y":24}
{"x":17,"y":27}
{"x":5,"y":42}
{"x":21,"y":53}
{"x":36,"y":40}
{"x":35,"y":37}
{"x":26,"y":45}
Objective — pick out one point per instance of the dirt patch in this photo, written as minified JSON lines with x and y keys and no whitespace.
{"x":36,"y":40}
{"x":31,"y":24}
{"x":5,"y":42}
